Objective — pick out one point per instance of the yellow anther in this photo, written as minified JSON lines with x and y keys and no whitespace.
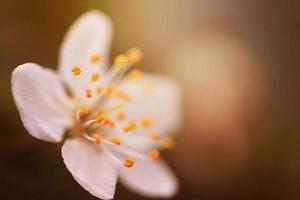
{"x":88,"y":93}
{"x":99,"y":89}
{"x":134,"y":55}
{"x":168,"y":143}
{"x":135,"y":74}
{"x":83,"y":109}
{"x":154,"y":135}
{"x":133,"y":125}
{"x":154,"y":154}
{"x":130,"y":126}
{"x":121,"y":95}
{"x":146,"y":122}
{"x":121,"y":116}
{"x":95,"y":58}
{"x":115,"y":140}
{"x":121,"y":60}
{"x":149,"y":87}
{"x":95,"y":76}
{"x":115,"y":108}
{"x":97,"y":138}
{"x":126,"y":128}
{"x":76,"y":70}
{"x":129,"y":162}
{"x":119,"y":106}
{"x":109,"y":89}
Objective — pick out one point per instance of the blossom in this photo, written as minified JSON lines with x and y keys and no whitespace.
{"x":113,"y":122}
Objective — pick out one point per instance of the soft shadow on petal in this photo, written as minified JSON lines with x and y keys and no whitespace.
{"x":41,"y":100}
{"x":90,"y":34}
{"x":150,"y":178}
{"x":93,"y":169}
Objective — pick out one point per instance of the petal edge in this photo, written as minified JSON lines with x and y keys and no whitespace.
{"x":41,"y":101}
{"x":151,"y":179}
{"x":95,"y":171}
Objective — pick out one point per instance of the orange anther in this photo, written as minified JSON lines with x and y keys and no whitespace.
{"x":146,"y":122}
{"x":95,"y":76}
{"x":154,"y":154}
{"x":88,"y":93}
{"x":83,"y":109}
{"x":121,"y":116}
{"x":115,"y":140}
{"x":100,"y":119}
{"x":130,"y":126}
{"x":76,"y":70}
{"x":99,"y":89}
{"x":97,"y":138}
{"x":154,"y":135}
{"x":95,"y":58}
{"x":129,"y":162}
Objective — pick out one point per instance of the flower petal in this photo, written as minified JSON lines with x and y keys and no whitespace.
{"x":94,"y":170}
{"x":150,"y":178}
{"x":41,"y":100}
{"x":90,"y":34}
{"x":161,"y":102}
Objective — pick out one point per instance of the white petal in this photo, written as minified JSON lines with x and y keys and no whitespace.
{"x":150,"y":178}
{"x":41,"y":100}
{"x":163,"y":104}
{"x":94,"y":170}
{"x":90,"y":34}
{"x":122,"y":152}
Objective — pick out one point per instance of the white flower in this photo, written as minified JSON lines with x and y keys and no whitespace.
{"x":112,"y":122}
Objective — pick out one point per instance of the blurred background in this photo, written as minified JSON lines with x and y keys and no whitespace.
{"x":237,"y":62}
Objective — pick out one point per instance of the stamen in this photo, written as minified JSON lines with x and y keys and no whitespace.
{"x":88,"y":93}
{"x":129,"y":162}
{"x":95,"y":76}
{"x":168,"y":143}
{"x":135,"y":74}
{"x":95,"y":58}
{"x":121,"y":95}
{"x":83,"y":109}
{"x":99,"y":89}
{"x":102,"y":119}
{"x":76,"y":70}
{"x":146,"y":122}
{"x":121,"y":60}
{"x":115,"y":108}
{"x":130,"y":126}
{"x":134,"y":55}
{"x":109,"y":89}
{"x":115,"y":140}
{"x":97,"y":138}
{"x":121,"y":116}
{"x":88,"y":123}
{"x":154,"y":154}
{"x":154,"y":135}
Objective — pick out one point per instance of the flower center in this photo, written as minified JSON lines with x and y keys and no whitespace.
{"x":103,"y":126}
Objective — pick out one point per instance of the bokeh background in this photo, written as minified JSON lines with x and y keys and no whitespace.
{"x":237,"y":62}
